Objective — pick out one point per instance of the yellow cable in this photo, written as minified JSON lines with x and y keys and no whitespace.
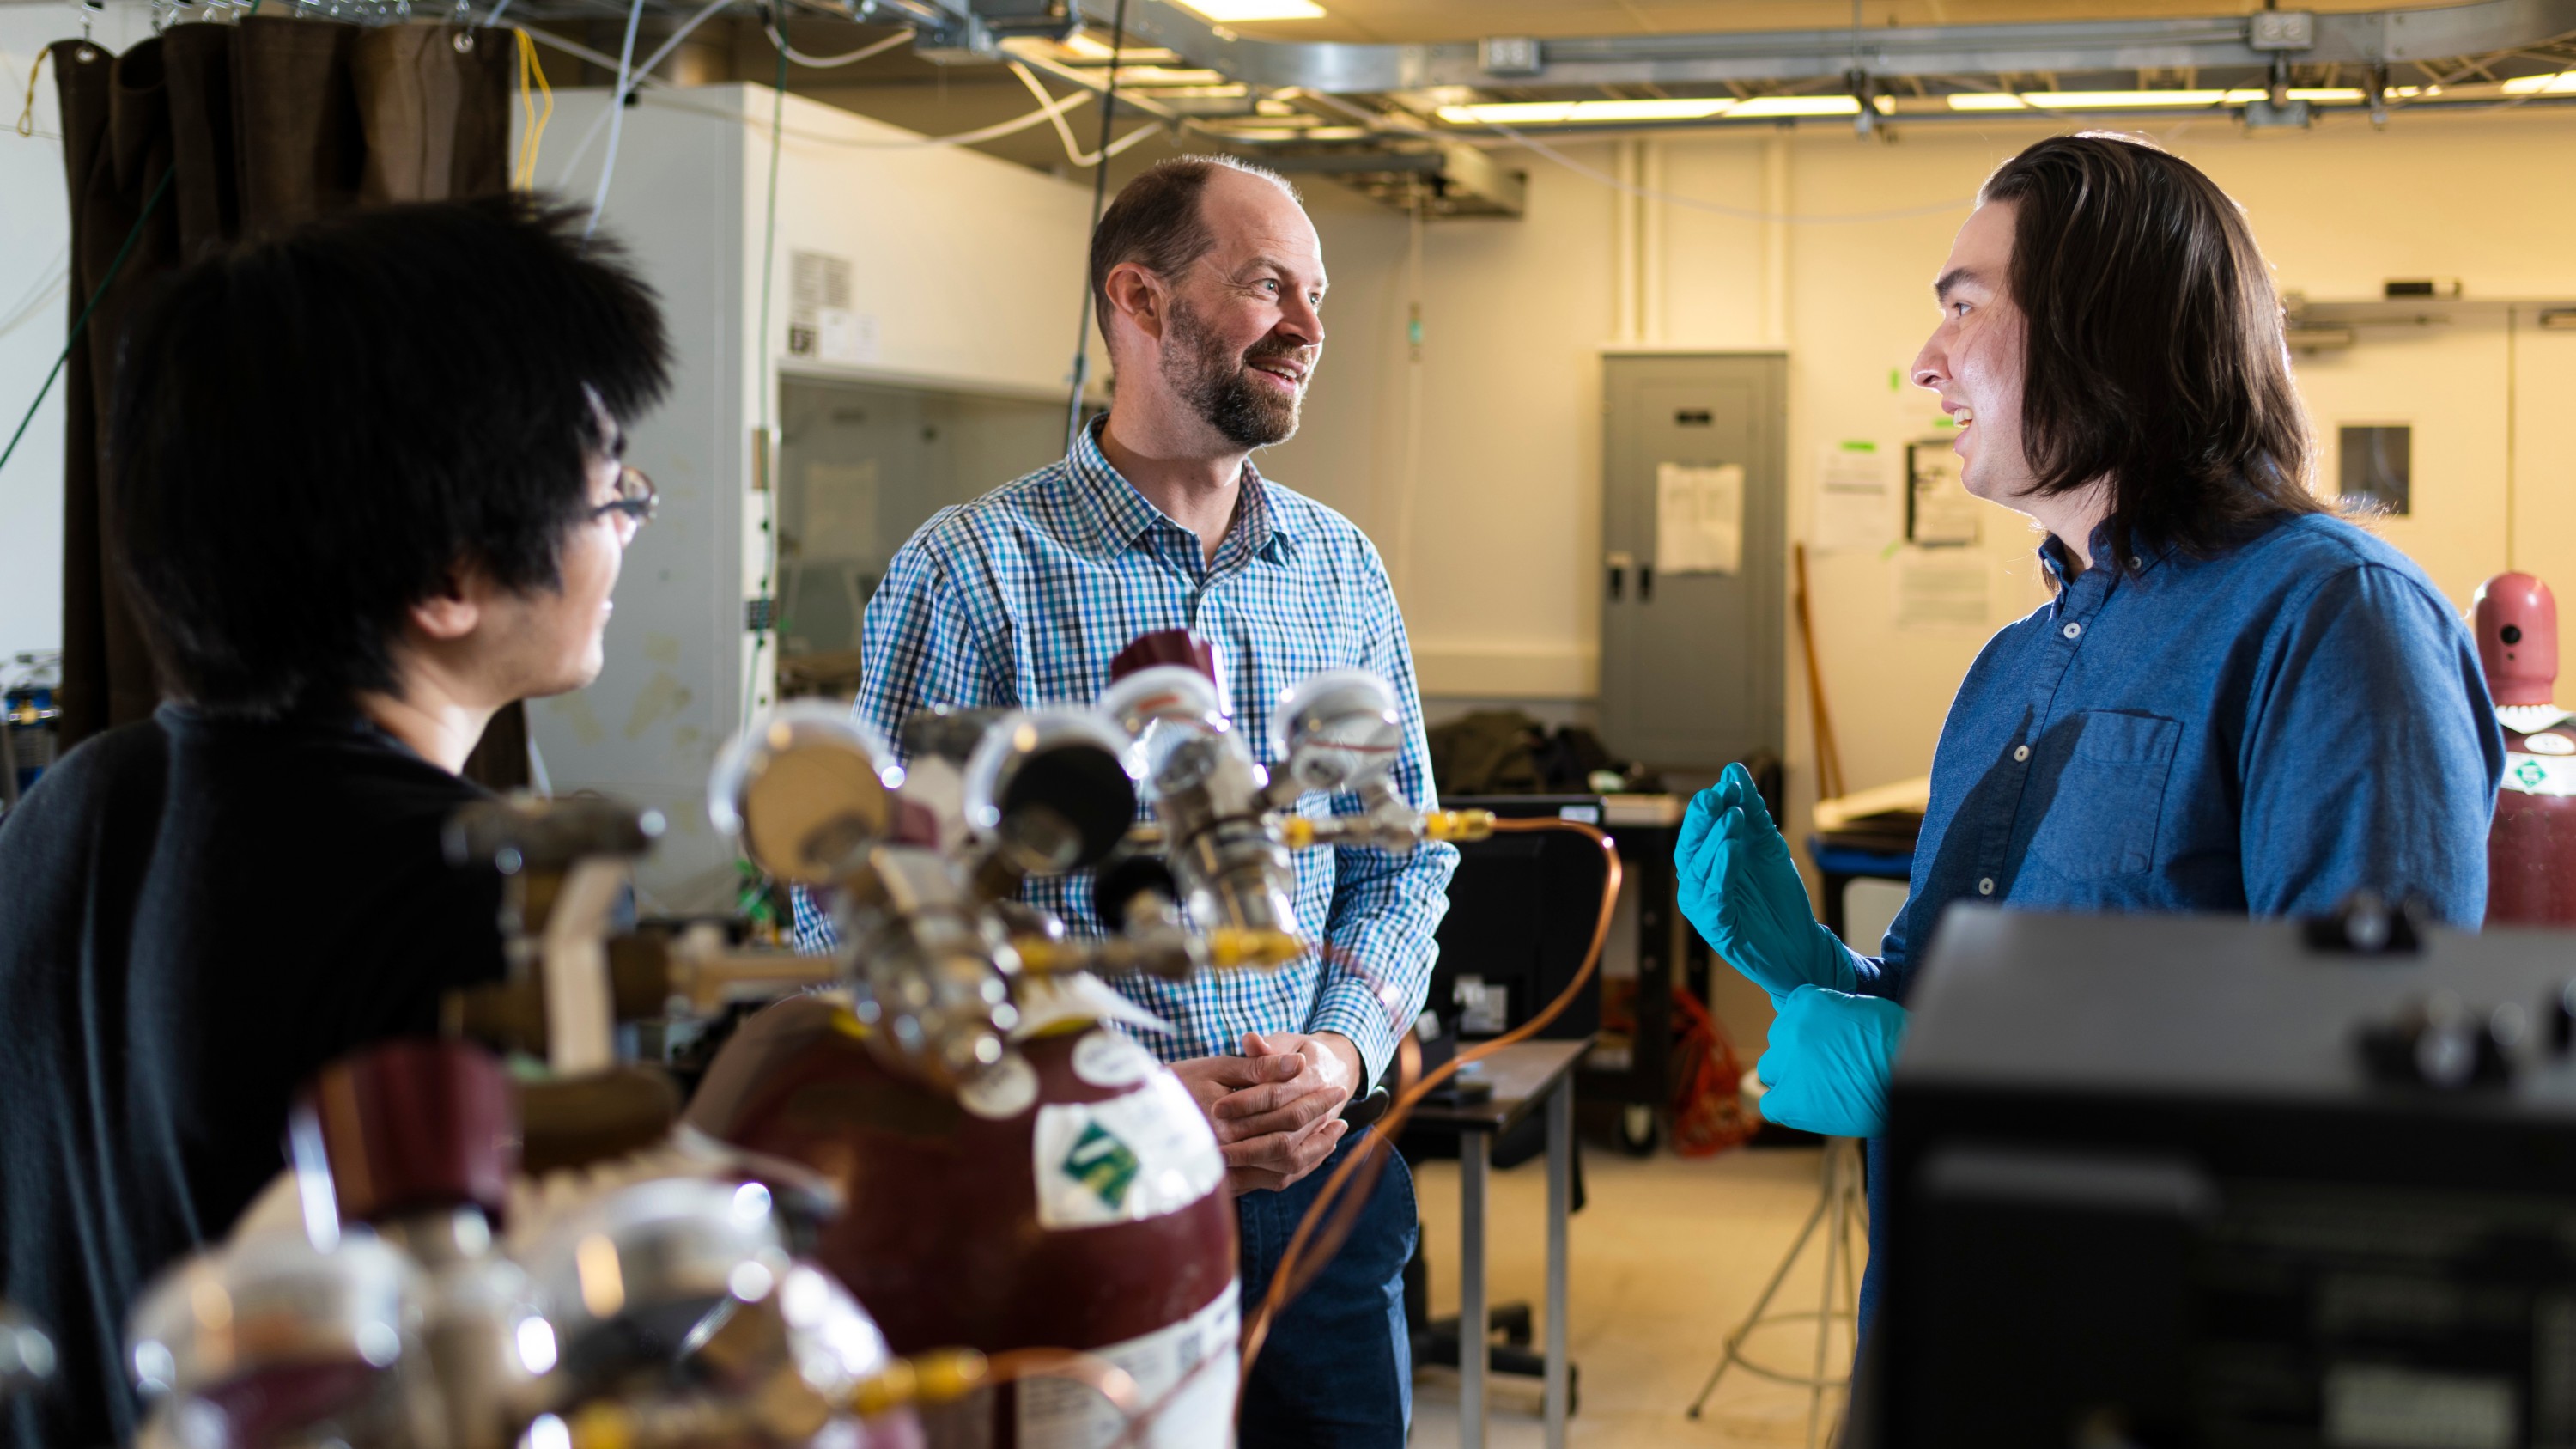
{"x":27,"y":113}
{"x":531,"y":70}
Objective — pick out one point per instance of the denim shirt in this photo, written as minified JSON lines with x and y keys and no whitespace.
{"x":2256,"y":733}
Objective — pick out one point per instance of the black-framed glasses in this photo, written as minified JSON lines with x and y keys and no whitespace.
{"x":636,"y":502}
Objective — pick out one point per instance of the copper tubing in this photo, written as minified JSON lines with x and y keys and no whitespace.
{"x":1293,"y":1274}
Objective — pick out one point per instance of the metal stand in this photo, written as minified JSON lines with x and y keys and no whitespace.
{"x":1841,"y":1206}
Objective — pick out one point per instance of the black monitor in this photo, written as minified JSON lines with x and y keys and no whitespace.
{"x":2198,"y":1181}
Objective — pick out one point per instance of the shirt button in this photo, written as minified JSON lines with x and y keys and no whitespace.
{"x":1986,"y":887}
{"x":2020,"y":753}
{"x":2072,"y":629}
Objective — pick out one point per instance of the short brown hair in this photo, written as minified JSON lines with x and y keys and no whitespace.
{"x":1156,"y":221}
{"x":2155,"y":352}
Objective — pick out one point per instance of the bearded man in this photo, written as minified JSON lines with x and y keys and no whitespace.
{"x":1209,"y":278}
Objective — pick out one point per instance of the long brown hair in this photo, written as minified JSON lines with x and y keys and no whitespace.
{"x":2155,"y":356}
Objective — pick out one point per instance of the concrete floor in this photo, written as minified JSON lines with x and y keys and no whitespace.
{"x":1667,"y":1256}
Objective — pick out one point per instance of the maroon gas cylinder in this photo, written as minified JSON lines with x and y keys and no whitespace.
{"x":1074,"y":1201}
{"x":2531,"y":847}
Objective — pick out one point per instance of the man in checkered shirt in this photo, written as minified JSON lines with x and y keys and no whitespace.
{"x":1208,"y":278}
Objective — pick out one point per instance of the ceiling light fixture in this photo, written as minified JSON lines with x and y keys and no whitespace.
{"x":1233,"y":12}
{"x":1576,"y":113}
{"x":1083,"y":45}
{"x":1778,"y":107}
{"x":2560,"y":84}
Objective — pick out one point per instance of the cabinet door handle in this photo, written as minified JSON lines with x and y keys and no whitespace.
{"x":1618,"y":581}
{"x":1645,"y":583}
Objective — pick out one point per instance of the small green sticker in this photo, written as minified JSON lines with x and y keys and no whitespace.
{"x":1895,"y":379}
{"x":1859,"y":446}
{"x":1102,"y":1163}
{"x":2530,"y":773}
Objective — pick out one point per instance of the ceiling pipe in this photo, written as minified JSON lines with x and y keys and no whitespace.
{"x":2378,"y":38}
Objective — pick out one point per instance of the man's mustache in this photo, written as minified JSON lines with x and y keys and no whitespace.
{"x":1304,"y":357}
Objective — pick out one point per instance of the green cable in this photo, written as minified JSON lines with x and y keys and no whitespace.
{"x":769,"y":507}
{"x":82,"y":321}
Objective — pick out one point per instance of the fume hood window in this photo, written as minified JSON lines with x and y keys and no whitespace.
{"x":861,"y":467}
{"x":2376,"y":467}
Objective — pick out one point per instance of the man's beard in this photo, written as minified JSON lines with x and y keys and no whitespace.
{"x":1215,"y":383}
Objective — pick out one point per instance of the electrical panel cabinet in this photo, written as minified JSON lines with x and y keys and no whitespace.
{"x":1694,"y":537}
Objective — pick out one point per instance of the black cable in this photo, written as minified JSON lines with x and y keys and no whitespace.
{"x":1099,"y":200}
{"x":82,"y":321}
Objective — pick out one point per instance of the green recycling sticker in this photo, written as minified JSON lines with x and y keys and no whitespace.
{"x":1104,"y":1164}
{"x":2530,"y":773}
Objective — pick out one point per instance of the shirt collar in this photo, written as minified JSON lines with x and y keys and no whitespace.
{"x":1118,"y":515}
{"x":2144,"y":558}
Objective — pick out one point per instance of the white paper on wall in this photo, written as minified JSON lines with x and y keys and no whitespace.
{"x":1945,"y":513}
{"x":1941,"y":589}
{"x":847,"y":336}
{"x":1855,"y":498}
{"x":1699,"y":518}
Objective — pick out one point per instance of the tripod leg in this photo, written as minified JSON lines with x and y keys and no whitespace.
{"x":1735,"y":1336}
{"x":1834,"y":1250}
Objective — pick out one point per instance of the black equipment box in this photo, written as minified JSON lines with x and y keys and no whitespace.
{"x":2215,"y":1182}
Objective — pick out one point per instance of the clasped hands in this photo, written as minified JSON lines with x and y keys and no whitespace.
{"x":1831,"y":1048}
{"x":1276,"y":1108}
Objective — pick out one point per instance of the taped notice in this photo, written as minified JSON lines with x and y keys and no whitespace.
{"x":1855,"y":498}
{"x":1186,"y":1371}
{"x":1699,"y":518}
{"x":1126,"y":1159}
{"x":1941,"y":590}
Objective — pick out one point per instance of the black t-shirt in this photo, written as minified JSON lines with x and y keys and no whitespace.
{"x":196,"y":915}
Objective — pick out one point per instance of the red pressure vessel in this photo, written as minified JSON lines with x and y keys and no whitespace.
{"x":2531,"y":847}
{"x":1079,"y":1203}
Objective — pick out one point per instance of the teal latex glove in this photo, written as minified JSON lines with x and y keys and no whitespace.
{"x":1830,"y":1056}
{"x":1741,"y":890}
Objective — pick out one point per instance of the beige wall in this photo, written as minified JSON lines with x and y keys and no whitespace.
{"x":1498,"y":569}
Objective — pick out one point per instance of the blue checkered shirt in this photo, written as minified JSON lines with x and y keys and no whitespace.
{"x":1020,"y":599}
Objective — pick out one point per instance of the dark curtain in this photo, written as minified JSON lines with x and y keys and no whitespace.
{"x":255,"y":127}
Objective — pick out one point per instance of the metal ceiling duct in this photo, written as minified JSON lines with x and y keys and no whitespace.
{"x":2388,"y":37}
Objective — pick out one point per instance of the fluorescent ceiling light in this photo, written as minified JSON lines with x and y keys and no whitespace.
{"x":1775,"y":106}
{"x":2125,"y":100}
{"x":2542,"y":85}
{"x":1156,"y":75}
{"x":1086,"y":46}
{"x":1562,"y":113}
{"x":1228,"y":12}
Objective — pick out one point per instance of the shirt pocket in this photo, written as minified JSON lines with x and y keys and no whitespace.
{"x":2109,"y":801}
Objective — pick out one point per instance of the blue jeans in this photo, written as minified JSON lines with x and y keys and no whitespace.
{"x":1337,"y":1371}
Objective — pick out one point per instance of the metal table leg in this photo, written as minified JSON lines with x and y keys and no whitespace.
{"x":1474,"y":1150}
{"x":1560,"y":1205}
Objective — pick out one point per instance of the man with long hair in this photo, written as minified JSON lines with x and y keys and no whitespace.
{"x":2235,"y":703}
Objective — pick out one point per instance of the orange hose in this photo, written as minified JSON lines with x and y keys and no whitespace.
{"x":1294,"y":1274}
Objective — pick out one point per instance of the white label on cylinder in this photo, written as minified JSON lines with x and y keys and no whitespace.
{"x":2539,"y":774}
{"x":1105,"y":1059}
{"x":1125,"y":1159}
{"x":1185,"y":1374}
{"x":1001,"y":1092}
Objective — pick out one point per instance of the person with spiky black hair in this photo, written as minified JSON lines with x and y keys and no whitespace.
{"x":366,"y":489}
